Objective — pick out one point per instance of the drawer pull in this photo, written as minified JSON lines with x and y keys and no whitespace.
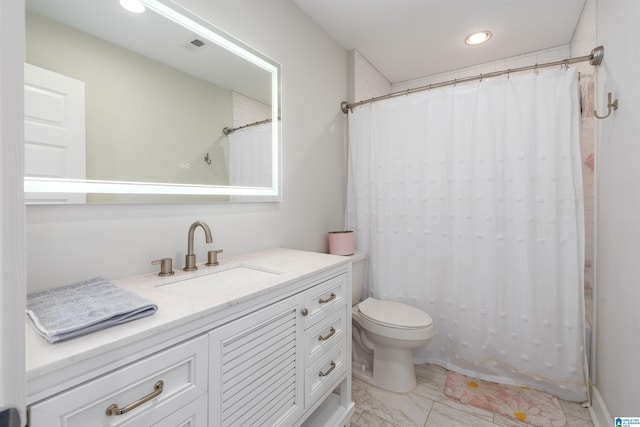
{"x":331,"y":298}
{"x":114,"y":410}
{"x":324,"y":374}
{"x":331,"y":333}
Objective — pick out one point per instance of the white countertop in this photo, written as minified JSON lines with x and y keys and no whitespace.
{"x":176,"y":307}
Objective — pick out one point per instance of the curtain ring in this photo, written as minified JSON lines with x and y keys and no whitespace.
{"x":455,"y":81}
{"x":535,"y":69}
{"x":508,"y":73}
{"x":480,"y":77}
{"x":565,"y":64}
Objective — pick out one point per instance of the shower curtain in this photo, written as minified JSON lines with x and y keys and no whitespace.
{"x":468,"y":201}
{"x":250,"y":159}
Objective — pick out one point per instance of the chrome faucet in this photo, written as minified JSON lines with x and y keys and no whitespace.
{"x":190,"y":258}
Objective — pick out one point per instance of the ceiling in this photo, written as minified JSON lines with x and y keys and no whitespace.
{"x":408,"y":39}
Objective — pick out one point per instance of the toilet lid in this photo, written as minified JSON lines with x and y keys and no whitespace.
{"x":394,"y":314}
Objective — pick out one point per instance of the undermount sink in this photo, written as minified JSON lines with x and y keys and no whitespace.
{"x":240,"y":275}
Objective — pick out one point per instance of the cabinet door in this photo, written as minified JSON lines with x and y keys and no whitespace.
{"x":256,"y":367}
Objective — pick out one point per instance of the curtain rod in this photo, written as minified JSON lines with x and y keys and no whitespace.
{"x":594,"y":58}
{"x":228,"y":130}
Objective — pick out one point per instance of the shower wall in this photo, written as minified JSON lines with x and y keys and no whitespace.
{"x":531,"y":58}
{"x":587,"y":139}
{"x":583,"y":40}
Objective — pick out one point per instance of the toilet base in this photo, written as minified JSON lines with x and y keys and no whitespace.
{"x":392,"y":370}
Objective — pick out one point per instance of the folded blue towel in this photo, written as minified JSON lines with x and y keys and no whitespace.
{"x":70,"y":311}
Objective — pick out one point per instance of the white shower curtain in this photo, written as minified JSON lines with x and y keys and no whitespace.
{"x":250,"y":159}
{"x":468,"y":200}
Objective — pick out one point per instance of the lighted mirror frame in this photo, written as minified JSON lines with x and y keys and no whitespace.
{"x":185,"y":18}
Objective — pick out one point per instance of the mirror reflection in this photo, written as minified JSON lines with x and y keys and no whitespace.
{"x":127,"y":107}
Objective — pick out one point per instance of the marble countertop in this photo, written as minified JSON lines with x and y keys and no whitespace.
{"x":177,"y":307}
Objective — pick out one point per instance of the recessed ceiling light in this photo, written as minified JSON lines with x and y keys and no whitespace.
{"x":477,"y":38}
{"x":134,"y":6}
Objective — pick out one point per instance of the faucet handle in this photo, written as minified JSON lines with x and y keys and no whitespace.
{"x":212,"y":257}
{"x":166,"y":266}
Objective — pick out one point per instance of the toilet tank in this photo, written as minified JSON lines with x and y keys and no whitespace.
{"x":359,"y":262}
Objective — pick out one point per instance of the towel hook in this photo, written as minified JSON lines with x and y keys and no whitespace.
{"x":207,"y":159}
{"x":610,"y":105}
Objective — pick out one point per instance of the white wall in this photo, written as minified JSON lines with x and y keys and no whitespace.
{"x":12,"y":245}
{"x":617,"y":283}
{"x":70,"y":243}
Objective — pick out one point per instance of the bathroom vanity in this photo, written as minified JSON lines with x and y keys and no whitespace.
{"x":261,"y":339}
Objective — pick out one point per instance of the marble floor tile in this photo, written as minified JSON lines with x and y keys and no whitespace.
{"x":503,"y":421}
{"x":575,"y":409}
{"x":577,"y":421}
{"x":367,"y":419}
{"x":403,"y":409}
{"x":428,"y":406}
{"x":442,"y":415}
{"x":356,"y":414}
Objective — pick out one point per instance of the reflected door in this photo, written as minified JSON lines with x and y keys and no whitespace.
{"x":54,"y":129}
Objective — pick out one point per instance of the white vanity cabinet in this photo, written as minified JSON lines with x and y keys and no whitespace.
{"x":271,"y":354}
{"x":271,"y":367}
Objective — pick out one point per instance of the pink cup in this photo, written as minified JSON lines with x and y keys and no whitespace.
{"x":341,"y":242}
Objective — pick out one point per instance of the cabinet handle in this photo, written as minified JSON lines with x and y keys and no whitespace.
{"x":304,"y":311}
{"x":331,"y":298}
{"x":324,"y":374}
{"x":331,"y":333}
{"x":114,"y":410}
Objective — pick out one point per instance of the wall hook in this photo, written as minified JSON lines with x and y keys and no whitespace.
{"x":610,"y":105}
{"x":207,"y":159}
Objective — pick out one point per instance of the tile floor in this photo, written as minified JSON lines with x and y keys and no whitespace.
{"x":428,"y":406}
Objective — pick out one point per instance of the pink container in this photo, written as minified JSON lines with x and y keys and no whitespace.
{"x":341,"y":243}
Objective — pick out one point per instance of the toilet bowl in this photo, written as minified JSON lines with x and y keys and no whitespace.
{"x":384,"y":336}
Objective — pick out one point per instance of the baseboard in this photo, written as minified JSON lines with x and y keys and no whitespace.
{"x":598,"y":410}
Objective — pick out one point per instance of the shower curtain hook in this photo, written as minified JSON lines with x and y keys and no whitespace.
{"x":508,"y":73}
{"x":610,"y":105}
{"x":480,"y":77}
{"x":535,"y":68}
{"x":565,"y":64}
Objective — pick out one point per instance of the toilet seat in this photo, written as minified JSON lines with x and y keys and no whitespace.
{"x":393,"y":320}
{"x":394,"y":314}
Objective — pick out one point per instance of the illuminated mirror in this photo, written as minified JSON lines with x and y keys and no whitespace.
{"x":158,"y":106}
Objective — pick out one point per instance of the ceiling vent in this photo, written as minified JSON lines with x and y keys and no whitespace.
{"x":194,"y":44}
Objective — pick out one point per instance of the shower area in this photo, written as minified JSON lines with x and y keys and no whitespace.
{"x":474,"y":199}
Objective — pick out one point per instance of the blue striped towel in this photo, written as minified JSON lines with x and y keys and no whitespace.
{"x":70,"y":311}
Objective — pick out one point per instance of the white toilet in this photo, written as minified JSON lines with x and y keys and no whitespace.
{"x":384,"y":335}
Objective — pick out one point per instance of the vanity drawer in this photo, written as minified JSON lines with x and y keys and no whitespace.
{"x":193,"y":414}
{"x":320,"y":338}
{"x":183,"y":369}
{"x":323,"y":375}
{"x":325,"y":298}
